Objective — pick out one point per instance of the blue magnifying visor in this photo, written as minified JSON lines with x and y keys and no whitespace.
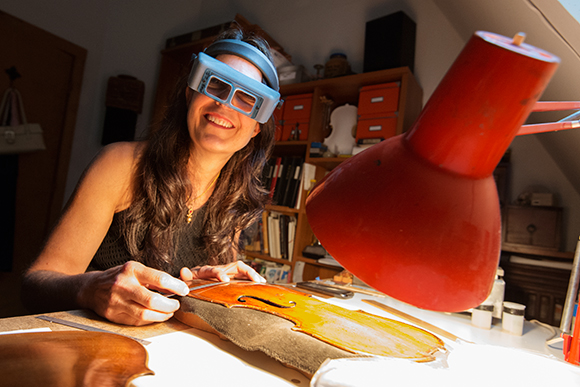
{"x":227,"y":86}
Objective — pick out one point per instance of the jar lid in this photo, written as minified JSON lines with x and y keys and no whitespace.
{"x":338,"y":55}
{"x":485,"y":307}
{"x":514,"y":309}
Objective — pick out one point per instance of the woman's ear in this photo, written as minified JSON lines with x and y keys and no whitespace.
{"x":256,"y":130}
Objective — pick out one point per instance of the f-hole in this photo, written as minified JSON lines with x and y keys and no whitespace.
{"x":268,"y":302}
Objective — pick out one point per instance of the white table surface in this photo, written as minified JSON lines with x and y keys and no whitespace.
{"x":194,"y":357}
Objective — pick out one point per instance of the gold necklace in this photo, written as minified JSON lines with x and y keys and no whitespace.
{"x":189,"y":209}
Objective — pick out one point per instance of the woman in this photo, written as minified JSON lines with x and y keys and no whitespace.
{"x":147,"y":212}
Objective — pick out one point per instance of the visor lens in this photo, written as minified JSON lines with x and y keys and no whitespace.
{"x":231,"y":95}
{"x":243,"y":101}
{"x":218,"y":88}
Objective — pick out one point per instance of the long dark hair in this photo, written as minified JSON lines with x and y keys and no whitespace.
{"x":162,"y":185}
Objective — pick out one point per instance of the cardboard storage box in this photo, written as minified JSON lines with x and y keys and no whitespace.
{"x":297,"y":107}
{"x":379,"y":99}
{"x":296,"y":131}
{"x":373,"y":126}
{"x":292,"y":74}
{"x":296,"y":117}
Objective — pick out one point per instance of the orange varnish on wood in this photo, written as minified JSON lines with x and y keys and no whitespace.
{"x":353,"y":331}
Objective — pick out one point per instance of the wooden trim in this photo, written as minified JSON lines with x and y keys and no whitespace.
{"x":79,"y":54}
{"x":522,"y":249}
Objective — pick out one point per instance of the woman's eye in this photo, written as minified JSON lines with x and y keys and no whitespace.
{"x":218,"y":89}
{"x":244,"y":101}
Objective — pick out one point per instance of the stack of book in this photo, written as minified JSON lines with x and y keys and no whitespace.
{"x":282,"y":176}
{"x":287,"y":178}
{"x":274,"y":236}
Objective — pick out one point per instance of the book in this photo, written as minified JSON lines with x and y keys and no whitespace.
{"x":291,"y":236}
{"x":281,"y":181}
{"x":268,"y":173}
{"x":264,"y":233}
{"x":274,"y":234}
{"x":296,"y":185}
{"x":275,"y":174}
{"x":366,"y":141}
{"x":283,"y":228}
{"x":306,"y":183}
{"x":293,"y":175}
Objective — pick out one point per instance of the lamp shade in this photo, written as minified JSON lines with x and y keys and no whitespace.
{"x":417,"y":216}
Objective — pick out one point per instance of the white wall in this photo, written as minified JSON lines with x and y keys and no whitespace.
{"x":533,"y":170}
{"x":125,"y":37}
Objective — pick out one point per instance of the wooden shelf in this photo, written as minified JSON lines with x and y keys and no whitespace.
{"x":254,"y":254}
{"x":291,"y":143}
{"x":282,"y":209}
{"x":328,"y":163}
{"x":537,"y":251}
{"x":315,"y":262}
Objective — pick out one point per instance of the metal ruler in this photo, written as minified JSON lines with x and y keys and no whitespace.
{"x":87,"y":327}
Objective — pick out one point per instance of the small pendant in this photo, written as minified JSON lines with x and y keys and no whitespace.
{"x":189,"y":215}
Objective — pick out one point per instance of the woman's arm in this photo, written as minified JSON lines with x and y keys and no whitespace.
{"x":57,"y":279}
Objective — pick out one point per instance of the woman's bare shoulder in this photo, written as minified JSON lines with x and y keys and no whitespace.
{"x":111,"y":172}
{"x":121,"y":152}
{"x":117,"y":160}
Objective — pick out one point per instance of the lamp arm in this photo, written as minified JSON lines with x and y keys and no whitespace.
{"x":572,"y":293}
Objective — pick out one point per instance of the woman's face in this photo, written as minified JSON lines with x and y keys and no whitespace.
{"x":217,"y":128}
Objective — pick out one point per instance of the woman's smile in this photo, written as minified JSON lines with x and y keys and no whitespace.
{"x":219,"y":121}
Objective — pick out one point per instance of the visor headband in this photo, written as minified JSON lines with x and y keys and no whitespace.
{"x":249,"y":53}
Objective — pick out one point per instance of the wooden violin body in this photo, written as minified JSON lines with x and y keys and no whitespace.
{"x":356,"y":332}
{"x":70,"y":358}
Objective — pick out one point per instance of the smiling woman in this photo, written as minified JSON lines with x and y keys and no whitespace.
{"x":171,"y":206}
{"x":219,"y":125}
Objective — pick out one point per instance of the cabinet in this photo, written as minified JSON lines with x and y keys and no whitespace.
{"x":340,"y":90}
{"x":537,"y":278}
{"x":537,"y":226}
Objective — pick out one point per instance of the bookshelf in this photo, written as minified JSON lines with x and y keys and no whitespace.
{"x":341,"y":90}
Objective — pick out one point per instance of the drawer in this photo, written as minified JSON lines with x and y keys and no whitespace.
{"x":532,"y":226}
{"x":376,"y":127}
{"x":377,"y":99}
{"x":289,"y":131}
{"x":297,"y":108}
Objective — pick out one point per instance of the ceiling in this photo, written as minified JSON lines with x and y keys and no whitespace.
{"x":548,"y":26}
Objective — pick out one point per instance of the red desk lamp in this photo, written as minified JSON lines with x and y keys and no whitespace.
{"x":417,"y":216}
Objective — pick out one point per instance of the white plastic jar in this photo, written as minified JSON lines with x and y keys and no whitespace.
{"x":481,"y":315}
{"x":513,"y":318}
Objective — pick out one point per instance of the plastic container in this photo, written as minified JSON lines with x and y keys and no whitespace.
{"x":481,"y":315}
{"x":513,"y":318}
{"x":497,"y":293}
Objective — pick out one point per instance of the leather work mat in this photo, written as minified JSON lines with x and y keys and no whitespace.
{"x":254,"y":330}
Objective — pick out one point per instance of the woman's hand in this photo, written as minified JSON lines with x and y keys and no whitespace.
{"x":123,"y":294}
{"x":235,"y":270}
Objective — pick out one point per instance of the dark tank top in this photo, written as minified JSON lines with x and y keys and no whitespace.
{"x":189,"y":251}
